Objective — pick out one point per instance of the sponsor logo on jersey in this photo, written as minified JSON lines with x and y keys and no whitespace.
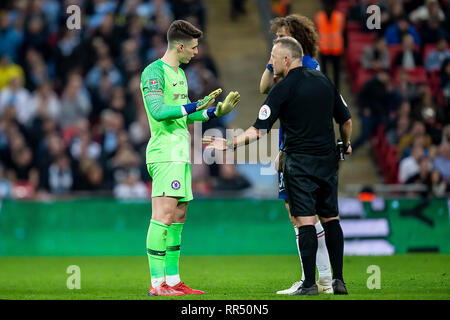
{"x":175,"y":184}
{"x":264,"y":112}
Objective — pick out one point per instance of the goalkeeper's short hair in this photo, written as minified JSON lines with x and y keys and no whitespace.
{"x":181,"y":31}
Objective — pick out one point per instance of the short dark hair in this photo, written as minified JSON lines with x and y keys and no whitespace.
{"x":181,"y":30}
{"x":294,"y":47}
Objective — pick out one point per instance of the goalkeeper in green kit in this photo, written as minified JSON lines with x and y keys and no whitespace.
{"x":169,"y":111}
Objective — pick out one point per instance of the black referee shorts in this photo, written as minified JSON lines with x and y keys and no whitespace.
{"x":311,"y":184}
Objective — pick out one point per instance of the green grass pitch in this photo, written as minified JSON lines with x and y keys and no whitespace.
{"x":413,"y":276}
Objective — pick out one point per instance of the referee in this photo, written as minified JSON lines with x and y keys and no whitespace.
{"x":306,"y":102}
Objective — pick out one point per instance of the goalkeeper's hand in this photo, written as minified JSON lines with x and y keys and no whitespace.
{"x":228,"y":104}
{"x":208,"y":100}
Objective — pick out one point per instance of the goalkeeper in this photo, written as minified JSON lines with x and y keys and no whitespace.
{"x":165,"y":93}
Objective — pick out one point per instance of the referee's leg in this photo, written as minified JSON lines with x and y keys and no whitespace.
{"x":307,"y":242}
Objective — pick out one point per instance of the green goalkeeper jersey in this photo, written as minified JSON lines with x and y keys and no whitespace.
{"x":164,"y":92}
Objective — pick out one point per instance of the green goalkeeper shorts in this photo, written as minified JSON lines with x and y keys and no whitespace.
{"x":171,"y":179}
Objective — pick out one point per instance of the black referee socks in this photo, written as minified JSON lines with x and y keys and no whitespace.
{"x":307,"y":242}
{"x":334,"y":238}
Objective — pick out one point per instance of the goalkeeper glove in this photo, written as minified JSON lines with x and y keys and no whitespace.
{"x":203,"y":103}
{"x":228,"y":104}
{"x":208,"y":100}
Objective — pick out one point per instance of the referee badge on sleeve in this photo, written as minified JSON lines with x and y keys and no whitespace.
{"x":264,"y":112}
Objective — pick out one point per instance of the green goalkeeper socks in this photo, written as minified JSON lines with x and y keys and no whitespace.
{"x":156,"y":250}
{"x":173,"y":253}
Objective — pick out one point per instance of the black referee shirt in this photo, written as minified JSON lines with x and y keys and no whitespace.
{"x":306,"y":102}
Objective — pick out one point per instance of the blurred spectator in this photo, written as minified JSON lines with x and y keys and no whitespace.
{"x":442,"y":161}
{"x":410,"y":166}
{"x":36,"y":71}
{"x":330,"y":26}
{"x":23,"y":170}
{"x":10,"y":39}
{"x":200,"y":79}
{"x":5,"y":185}
{"x":430,"y":9}
{"x":408,"y":58}
{"x":376,"y":56}
{"x":44,"y":102}
{"x":394,"y":134}
{"x":83,"y":147}
{"x":75,"y":103}
{"x":17,"y":98}
{"x":407,"y":90}
{"x":131,"y":187}
{"x":437,"y":187}
{"x":60,"y":177}
{"x":417,"y":131}
{"x":436,"y":57}
{"x":90,"y":176}
{"x":120,"y":105}
{"x":422,"y":176}
{"x":432,"y":30}
{"x":230,"y":179}
{"x":36,"y":35}
{"x":111,"y":126}
{"x":104,"y":68}
{"x":357,"y":12}
{"x":394,"y":33}
{"x":183,"y":8}
{"x":391,"y":11}
{"x":8,"y":71}
{"x":376,"y":99}
{"x":67,"y":52}
{"x":237,"y":9}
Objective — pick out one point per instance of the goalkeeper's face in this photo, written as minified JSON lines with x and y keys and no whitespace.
{"x":187,"y":50}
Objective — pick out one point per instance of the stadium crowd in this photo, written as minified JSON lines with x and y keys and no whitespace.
{"x":71,"y":111}
{"x":400,"y":75}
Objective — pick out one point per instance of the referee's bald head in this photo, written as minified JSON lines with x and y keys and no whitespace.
{"x":293,"y":46}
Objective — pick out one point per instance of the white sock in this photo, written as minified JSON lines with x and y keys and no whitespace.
{"x":156,"y":282}
{"x":298,"y":249}
{"x":172,"y":280}
{"x":322,"y":258}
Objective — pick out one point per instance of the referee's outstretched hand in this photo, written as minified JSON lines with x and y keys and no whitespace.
{"x":214,"y":143}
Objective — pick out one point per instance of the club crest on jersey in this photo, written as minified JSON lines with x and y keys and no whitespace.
{"x":153,"y":84}
{"x":175,"y":184}
{"x":264,"y":112}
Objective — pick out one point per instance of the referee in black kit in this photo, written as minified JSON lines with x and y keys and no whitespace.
{"x":306,"y":102}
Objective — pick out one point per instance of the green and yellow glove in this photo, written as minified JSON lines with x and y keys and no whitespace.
{"x":228,"y":104}
{"x":208,"y":100}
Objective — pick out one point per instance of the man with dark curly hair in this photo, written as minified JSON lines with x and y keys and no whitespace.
{"x":303,"y":30}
